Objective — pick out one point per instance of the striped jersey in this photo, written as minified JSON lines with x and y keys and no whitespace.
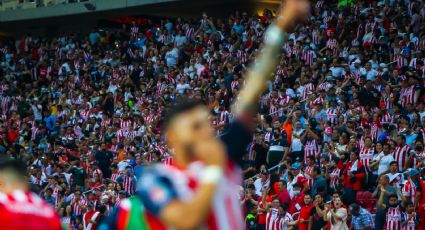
{"x":366,"y":156}
{"x":393,"y":219}
{"x":161,"y":184}
{"x":275,"y":221}
{"x":411,"y":219}
{"x":400,"y":155}
{"x":311,"y":148}
{"x":409,"y":190}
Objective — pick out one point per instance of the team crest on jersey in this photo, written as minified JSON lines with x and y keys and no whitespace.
{"x":158,"y":195}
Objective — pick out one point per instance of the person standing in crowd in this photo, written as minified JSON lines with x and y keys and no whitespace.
{"x":91,"y":217}
{"x":318,"y":212}
{"x":305,"y":218}
{"x":337,"y":216}
{"x":319,"y":183}
{"x":354,"y":175}
{"x":389,"y":190}
{"x":19,"y":208}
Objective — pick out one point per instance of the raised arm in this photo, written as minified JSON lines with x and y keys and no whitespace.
{"x":291,"y":13}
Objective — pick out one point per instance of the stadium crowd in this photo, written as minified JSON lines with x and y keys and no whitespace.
{"x":343,"y":119}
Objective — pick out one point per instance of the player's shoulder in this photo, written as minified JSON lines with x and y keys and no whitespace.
{"x":157,"y":186}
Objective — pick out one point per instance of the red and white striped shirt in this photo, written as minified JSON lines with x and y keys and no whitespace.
{"x":332,"y":43}
{"x":271,"y":217}
{"x":332,"y":115}
{"x":311,"y":148}
{"x":125,"y":124}
{"x":309,"y":57}
{"x":400,"y":155}
{"x":366,"y":156}
{"x":129,"y":185}
{"x":411,"y":225}
{"x":308,"y":173}
{"x":335,"y":174}
{"x":409,"y":190}
{"x":76,"y":206}
{"x":407,"y":96}
{"x":393,"y":219}
{"x":387,"y":118}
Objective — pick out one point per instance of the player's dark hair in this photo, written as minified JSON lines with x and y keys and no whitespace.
{"x":178,"y":109}
{"x":13,"y":165}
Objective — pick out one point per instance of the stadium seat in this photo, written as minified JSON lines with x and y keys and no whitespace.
{"x":366,"y":201}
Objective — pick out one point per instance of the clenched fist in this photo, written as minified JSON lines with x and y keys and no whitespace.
{"x":291,"y":13}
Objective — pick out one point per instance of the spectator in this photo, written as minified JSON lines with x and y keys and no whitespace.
{"x":361,"y":218}
{"x":318,"y":212}
{"x":337,"y":216}
{"x":354,"y":175}
{"x":389,"y":190}
{"x":305,"y":218}
{"x":319,"y":182}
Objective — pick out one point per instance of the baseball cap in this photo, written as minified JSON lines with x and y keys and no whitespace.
{"x":413,"y":172}
{"x":296,"y":165}
{"x":90,"y":204}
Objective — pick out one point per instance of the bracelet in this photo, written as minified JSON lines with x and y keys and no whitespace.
{"x":211,"y":174}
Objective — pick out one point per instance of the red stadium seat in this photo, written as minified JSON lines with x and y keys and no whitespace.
{"x":366,"y":201}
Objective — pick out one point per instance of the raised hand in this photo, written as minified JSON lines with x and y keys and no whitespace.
{"x":291,"y":13}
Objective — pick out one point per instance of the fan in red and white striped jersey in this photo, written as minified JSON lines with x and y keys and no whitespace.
{"x":415,"y":64}
{"x":400,"y":59}
{"x":332,"y":114}
{"x":307,"y":88}
{"x":78,"y":203}
{"x":332,"y":43}
{"x":408,"y":95}
{"x":272,"y":215}
{"x":393,"y":218}
{"x":387,"y":118}
{"x":308,"y":170}
{"x":366,"y":153}
{"x":311,"y":147}
{"x":411,"y":187}
{"x":128,"y":180}
{"x":402,"y":153}
{"x":167,"y":160}
{"x":309,"y":56}
{"x":412,"y":218}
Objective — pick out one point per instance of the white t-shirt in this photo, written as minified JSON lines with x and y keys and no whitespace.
{"x":181,"y":87}
{"x":259,"y":185}
{"x":297,"y":145}
{"x":384,"y":162}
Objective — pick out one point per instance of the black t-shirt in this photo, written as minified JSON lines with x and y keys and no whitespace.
{"x":318,"y":222}
{"x":104,"y":159}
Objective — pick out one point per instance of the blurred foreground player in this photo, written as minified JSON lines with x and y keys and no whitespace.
{"x":21,"y":209}
{"x":199,"y":192}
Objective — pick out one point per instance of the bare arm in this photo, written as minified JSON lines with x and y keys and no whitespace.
{"x":292,"y":11}
{"x":381,"y":199}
